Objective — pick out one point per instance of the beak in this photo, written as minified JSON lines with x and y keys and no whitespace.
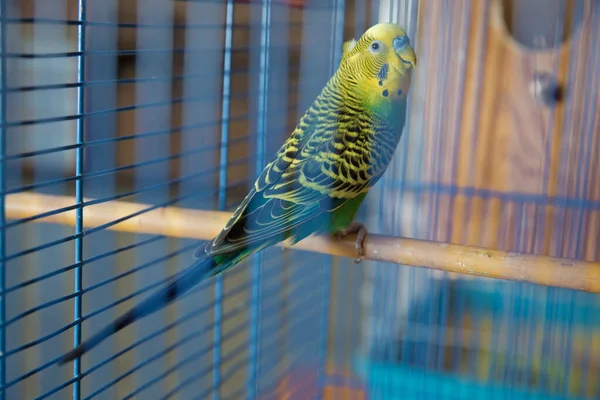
{"x":404,"y":50}
{"x":408,"y":56}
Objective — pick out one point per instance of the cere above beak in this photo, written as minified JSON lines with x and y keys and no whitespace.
{"x":400,"y":42}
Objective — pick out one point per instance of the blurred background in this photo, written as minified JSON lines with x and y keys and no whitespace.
{"x":183,"y":102}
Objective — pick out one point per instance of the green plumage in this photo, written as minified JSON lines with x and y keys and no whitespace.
{"x":320,"y":176}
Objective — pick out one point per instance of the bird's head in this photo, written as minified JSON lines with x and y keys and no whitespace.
{"x":380,"y":63}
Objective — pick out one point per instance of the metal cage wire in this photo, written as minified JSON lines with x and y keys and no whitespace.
{"x":96,"y":166}
{"x":182,"y":103}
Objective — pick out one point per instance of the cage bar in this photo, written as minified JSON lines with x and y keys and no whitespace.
{"x":78,"y":309}
{"x":3,"y":141}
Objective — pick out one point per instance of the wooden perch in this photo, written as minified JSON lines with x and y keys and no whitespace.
{"x":186,"y":223}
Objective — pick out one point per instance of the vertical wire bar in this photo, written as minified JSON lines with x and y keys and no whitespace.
{"x":373,"y":337}
{"x":263,"y":85}
{"x":79,"y":195}
{"x":403,"y":18}
{"x":413,"y":154}
{"x":225,"y":105}
{"x":337,"y":32}
{"x":3,"y":108}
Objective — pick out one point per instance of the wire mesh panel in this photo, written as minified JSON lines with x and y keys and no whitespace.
{"x":150,"y":104}
{"x":159,"y":103}
{"x":498,"y":154}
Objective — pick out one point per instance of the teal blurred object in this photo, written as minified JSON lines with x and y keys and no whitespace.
{"x":492,"y":337}
{"x":392,"y":381}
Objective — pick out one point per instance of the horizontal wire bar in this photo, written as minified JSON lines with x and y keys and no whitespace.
{"x":91,"y":288}
{"x":427,"y":188}
{"x":204,"y":372}
{"x":230,"y":333}
{"x":240,"y":327}
{"x":205,"y":308}
{"x":52,"y":362}
{"x":57,"y":389}
{"x":115,"y":222}
{"x":141,"y":164}
{"x":229,"y":373}
{"x":42,"y":367}
{"x":181,"y":179}
{"x":135,"y":52}
{"x":237,"y":310}
{"x":97,"y":174}
{"x":224,"y":359}
{"x":41,"y":152}
{"x":101,"y":284}
{"x":103,"y":255}
{"x":236,"y":289}
{"x":66,"y":209}
{"x":161,"y":132}
{"x":204,"y":330}
{"x":40,"y":185}
{"x":323,"y":5}
{"x":151,"y":208}
{"x":88,"y":23}
{"x":41,"y":247}
{"x":154,"y":357}
{"x":89,"y":261}
{"x":131,"y":107}
{"x":72,"y":324}
{"x":231,"y":292}
{"x":75,"y":265}
{"x":181,"y":128}
{"x":123,"y":81}
{"x":196,"y":313}
{"x":40,"y":340}
{"x":136,"y":80}
{"x":126,"y":194}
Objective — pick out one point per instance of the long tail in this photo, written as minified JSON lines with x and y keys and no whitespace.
{"x":176,"y":288}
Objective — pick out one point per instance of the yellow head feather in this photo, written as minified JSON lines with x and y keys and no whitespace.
{"x":378,"y":66}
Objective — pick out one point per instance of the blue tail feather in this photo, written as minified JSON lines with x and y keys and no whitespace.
{"x":177,"y":287}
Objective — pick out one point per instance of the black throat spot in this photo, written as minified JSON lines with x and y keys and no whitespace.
{"x":383,"y":73}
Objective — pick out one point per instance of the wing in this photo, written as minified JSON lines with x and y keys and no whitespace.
{"x":335,"y":153}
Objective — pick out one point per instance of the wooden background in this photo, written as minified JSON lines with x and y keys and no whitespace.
{"x":511,"y":171}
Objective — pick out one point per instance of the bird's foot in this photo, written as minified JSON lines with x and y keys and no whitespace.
{"x":361,"y":234}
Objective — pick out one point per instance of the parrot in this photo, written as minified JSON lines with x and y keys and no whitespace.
{"x":319,"y":177}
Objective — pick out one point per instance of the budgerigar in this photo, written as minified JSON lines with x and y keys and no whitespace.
{"x":315,"y":184}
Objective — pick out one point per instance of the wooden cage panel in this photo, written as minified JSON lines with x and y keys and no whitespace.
{"x":487,"y":134}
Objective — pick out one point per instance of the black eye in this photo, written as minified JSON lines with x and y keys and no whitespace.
{"x":376,"y":46}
